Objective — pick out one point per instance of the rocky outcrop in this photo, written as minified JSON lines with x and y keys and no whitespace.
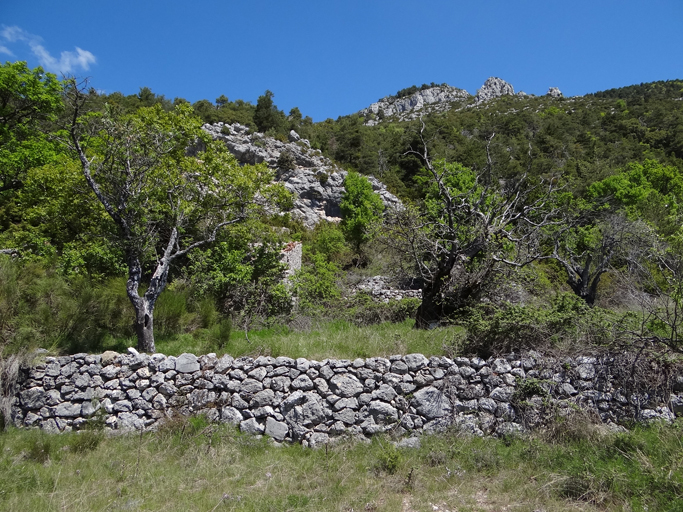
{"x":317,"y":183}
{"x":494,"y":88}
{"x":554,"y":92}
{"x":438,"y":98}
{"x":310,"y":401}
{"x":379,"y":289}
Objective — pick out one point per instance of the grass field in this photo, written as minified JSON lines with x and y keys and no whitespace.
{"x":191,"y":465}
{"x":316,"y":340}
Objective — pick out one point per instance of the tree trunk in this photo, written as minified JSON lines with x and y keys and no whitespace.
{"x":429,"y":311}
{"x":144,"y":325}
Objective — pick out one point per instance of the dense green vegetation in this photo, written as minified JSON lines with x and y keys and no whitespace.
{"x":510,"y":205}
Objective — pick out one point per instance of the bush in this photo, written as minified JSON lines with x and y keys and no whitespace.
{"x":364,"y":310}
{"x":315,"y":285}
{"x":286,"y":161}
{"x":493,"y":329}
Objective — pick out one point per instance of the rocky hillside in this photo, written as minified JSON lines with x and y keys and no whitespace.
{"x":316,"y":182}
{"x":439,"y":98}
{"x":433,"y":99}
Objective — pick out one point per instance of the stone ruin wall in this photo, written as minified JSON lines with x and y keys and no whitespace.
{"x":313,"y":401}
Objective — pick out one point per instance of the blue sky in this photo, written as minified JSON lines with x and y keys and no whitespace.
{"x":334,"y":58}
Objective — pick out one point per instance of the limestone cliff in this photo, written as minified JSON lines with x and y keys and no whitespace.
{"x":316,"y":182}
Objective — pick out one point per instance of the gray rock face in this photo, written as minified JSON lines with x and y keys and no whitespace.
{"x":411,"y":107}
{"x":187,"y":363}
{"x":276,"y":429}
{"x":431,"y":403}
{"x":345,"y":385}
{"x":554,"y":92}
{"x":493,"y":88}
{"x":316,"y":182}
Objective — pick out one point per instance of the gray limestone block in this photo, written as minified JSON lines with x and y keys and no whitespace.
{"x":52,"y":370}
{"x":399,"y":367}
{"x":586,"y":371}
{"x":223,"y":364}
{"x":385,"y":393}
{"x":133,"y":394}
{"x":159,"y":402}
{"x":281,"y":384}
{"x":415,"y":362}
{"x":168,"y":389}
{"x":187,"y":363}
{"x":502,"y":393}
{"x":342,"y":403}
{"x":231,"y":415}
{"x":220,"y":381}
{"x":345,"y":385}
{"x":53,"y":397}
{"x":500,"y":366}
{"x":237,"y":374}
{"x":262,"y":412}
{"x":303,"y":382}
{"x":346,"y":416}
{"x":303,"y":408}
{"x":33,"y":398}
{"x":326,"y":372}
{"x":285,"y":361}
{"x":487,"y":404}
{"x":149,"y":394}
{"x":508,"y":428}
{"x":378,"y":364}
{"x":238,"y":402}
{"x":276,"y":429}
{"x":382,"y":412}
{"x":251,"y":386}
{"x":68,"y":410}
{"x":167,"y":364}
{"x":258,"y":373}
{"x":251,"y":426}
{"x":431,"y":403}
{"x":200,"y":398}
{"x":263,"y":398}
{"x":120,"y":406}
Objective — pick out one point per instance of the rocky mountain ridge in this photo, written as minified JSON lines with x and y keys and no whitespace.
{"x":316,"y":182}
{"x":439,"y":98}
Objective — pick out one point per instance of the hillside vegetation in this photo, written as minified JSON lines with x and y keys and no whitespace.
{"x":528,"y":222}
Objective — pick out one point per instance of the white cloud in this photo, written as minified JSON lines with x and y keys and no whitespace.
{"x":5,"y":50}
{"x":67,"y":62}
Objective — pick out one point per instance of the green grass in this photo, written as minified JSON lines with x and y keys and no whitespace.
{"x":190,"y":465}
{"x":320,"y":340}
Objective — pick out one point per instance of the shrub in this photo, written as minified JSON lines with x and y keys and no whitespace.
{"x":286,"y":161}
{"x":493,"y":329}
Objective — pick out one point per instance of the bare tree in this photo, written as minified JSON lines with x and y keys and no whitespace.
{"x":467,"y":228}
{"x":163,"y":202}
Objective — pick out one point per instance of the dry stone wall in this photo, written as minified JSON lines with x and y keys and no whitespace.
{"x":311,"y":401}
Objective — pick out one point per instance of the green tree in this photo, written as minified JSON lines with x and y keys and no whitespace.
{"x":267,"y":116}
{"x":361,"y":207}
{"x":163,"y":202}
{"x":28,"y":98}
